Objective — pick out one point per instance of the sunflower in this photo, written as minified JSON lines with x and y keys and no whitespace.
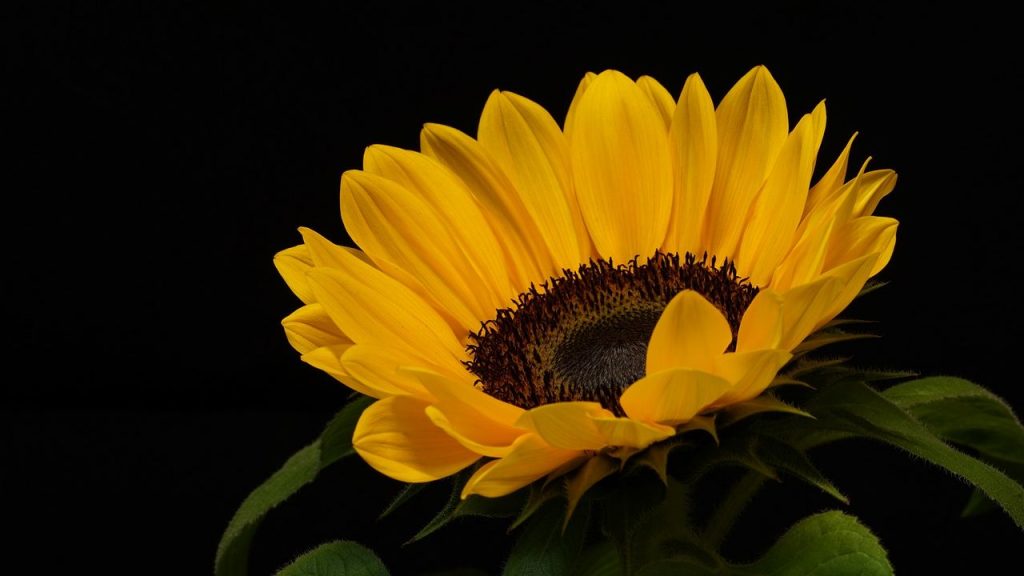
{"x":540,"y":295}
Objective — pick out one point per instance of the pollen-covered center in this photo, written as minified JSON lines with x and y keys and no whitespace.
{"x":584,"y":335}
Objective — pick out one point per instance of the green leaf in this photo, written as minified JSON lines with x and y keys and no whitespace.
{"x":302,"y":468}
{"x":679,"y":567}
{"x":825,"y":338}
{"x":447,"y":512}
{"x":828,"y":543}
{"x":656,"y":457}
{"x":601,"y":559}
{"x":407,"y":493}
{"x":627,"y":507}
{"x":336,"y":439}
{"x":539,"y":494}
{"x":668,"y":531}
{"x":543,"y":548}
{"x":504,"y":507}
{"x":964,"y":413}
{"x":978,"y":504}
{"x":336,"y":559}
{"x":785,"y":457}
{"x":854,"y":408}
{"x":759,"y":405}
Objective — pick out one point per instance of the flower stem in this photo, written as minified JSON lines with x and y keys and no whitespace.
{"x":724,"y":518}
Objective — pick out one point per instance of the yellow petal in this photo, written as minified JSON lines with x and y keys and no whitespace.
{"x":860,"y":237}
{"x":874,"y":186}
{"x":568,"y":425}
{"x":380,"y":367}
{"x":694,"y":138}
{"x":807,"y":259}
{"x":835,"y":209}
{"x":672,"y":397}
{"x":749,"y":372}
{"x":805,"y":306}
{"x":448,"y":197}
{"x":525,"y":251}
{"x":752,"y":127}
{"x":690,"y":333}
{"x":853,"y":275}
{"x":397,"y":439}
{"x":292,"y":264}
{"x":323,"y":252}
{"x":659,"y":97}
{"x":527,"y":144}
{"x":328,"y":359}
{"x":631,"y":433}
{"x":310,"y":327}
{"x":477,"y":421}
{"x":761,"y":325}
{"x":832,"y":180}
{"x":372,"y":308}
{"x":393,"y":224}
{"x":570,"y":116}
{"x":780,"y":204}
{"x":621,"y":168}
{"x":530,"y":459}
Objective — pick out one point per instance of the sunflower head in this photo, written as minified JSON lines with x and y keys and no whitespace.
{"x":541,"y":297}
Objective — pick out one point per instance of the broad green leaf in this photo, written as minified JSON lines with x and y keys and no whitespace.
{"x":854,"y":408}
{"x":679,"y":567}
{"x":336,"y":439}
{"x":336,"y":559}
{"x":829,"y":543}
{"x":963,"y":413}
{"x":302,"y":468}
{"x":966,"y":414}
{"x":543,"y":548}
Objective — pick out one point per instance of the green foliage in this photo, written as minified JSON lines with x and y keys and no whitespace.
{"x":302,"y":468}
{"x":601,"y":559}
{"x":642,"y":505}
{"x":830,"y":543}
{"x":852,"y":408}
{"x":543,"y":548}
{"x":455,"y":507}
{"x":336,"y":559}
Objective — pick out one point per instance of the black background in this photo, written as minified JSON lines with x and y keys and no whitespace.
{"x":163,"y":154}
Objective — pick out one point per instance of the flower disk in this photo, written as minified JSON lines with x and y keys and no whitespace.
{"x":584,"y":335}
{"x":592,"y":357}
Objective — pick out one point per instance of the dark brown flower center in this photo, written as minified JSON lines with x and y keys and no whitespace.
{"x":583,"y":335}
